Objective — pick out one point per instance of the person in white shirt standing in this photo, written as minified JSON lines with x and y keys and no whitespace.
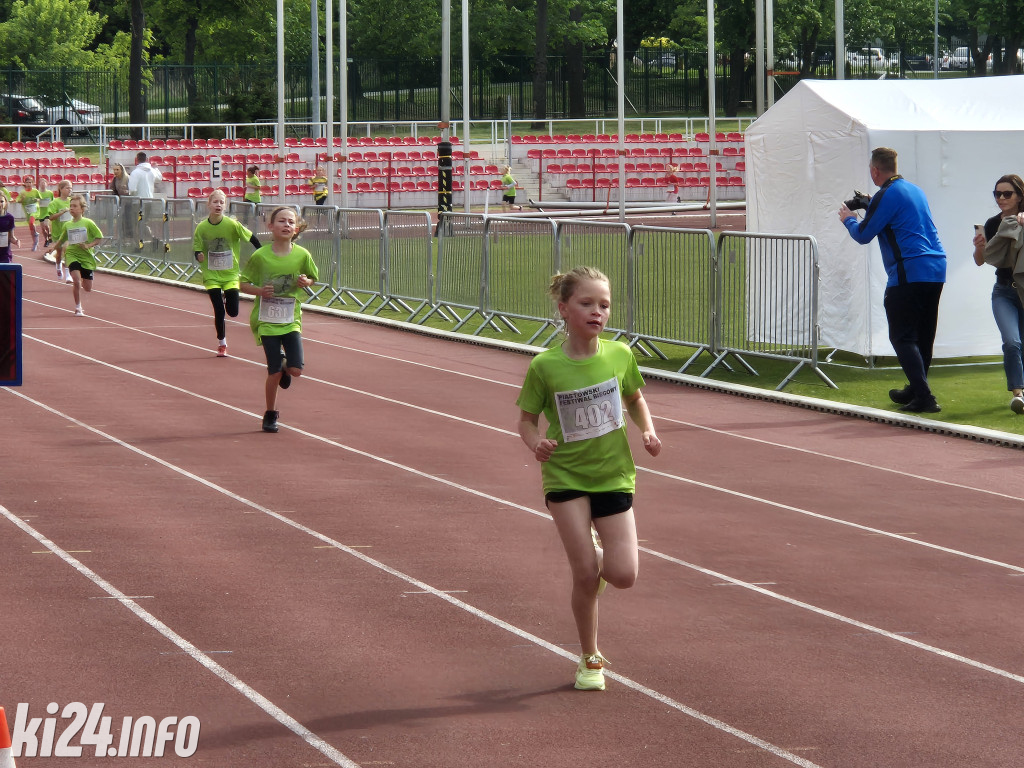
{"x":142,"y":180}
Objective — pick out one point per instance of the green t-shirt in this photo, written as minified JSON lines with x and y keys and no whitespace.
{"x":252,"y":195}
{"x":4,"y":191}
{"x":264,"y":267}
{"x":219,"y":242}
{"x":45,"y":198}
{"x":57,"y":225}
{"x":76,"y":234}
{"x":588,"y":394}
{"x":29,"y":199}
{"x":509,"y":183}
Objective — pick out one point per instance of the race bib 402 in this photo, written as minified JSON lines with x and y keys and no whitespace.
{"x":590,"y":412}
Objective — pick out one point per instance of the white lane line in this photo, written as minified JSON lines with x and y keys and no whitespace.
{"x":505,"y":503}
{"x":192,"y":651}
{"x":666,"y":475}
{"x":728,"y":433}
{"x":421,"y":586}
{"x":838,"y":521}
{"x":845,"y":460}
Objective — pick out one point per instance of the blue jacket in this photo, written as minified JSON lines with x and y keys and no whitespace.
{"x":899,"y":217}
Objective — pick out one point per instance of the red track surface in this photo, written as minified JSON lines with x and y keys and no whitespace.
{"x":378,"y":584}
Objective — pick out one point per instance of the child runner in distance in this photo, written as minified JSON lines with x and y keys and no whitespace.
{"x":57,"y":214}
{"x":508,"y":192}
{"x":216,"y":242}
{"x":80,"y":235}
{"x":582,"y":387}
{"x":252,"y":185}
{"x":45,"y":198}
{"x":7,"y":238}
{"x":319,"y":184}
{"x":29,"y":198}
{"x":276,"y":274}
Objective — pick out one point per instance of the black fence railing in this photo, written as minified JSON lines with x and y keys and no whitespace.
{"x":657,"y":82}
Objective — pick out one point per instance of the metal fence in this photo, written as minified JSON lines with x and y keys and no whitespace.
{"x":745,"y":296}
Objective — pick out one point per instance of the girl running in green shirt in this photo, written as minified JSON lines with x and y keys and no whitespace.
{"x":583,"y":388}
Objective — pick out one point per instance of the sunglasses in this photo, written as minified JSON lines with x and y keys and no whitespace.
{"x":1006,"y":194}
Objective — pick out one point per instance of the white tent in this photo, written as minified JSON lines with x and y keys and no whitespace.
{"x":954,"y":138}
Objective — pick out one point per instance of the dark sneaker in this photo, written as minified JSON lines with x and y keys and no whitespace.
{"x":270,"y":421}
{"x":901,"y":396}
{"x":286,"y":378}
{"x":921,"y":405}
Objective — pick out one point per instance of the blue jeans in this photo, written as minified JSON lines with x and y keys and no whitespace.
{"x":1009,"y":314}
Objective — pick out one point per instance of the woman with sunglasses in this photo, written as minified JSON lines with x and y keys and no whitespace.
{"x":1006,"y":303}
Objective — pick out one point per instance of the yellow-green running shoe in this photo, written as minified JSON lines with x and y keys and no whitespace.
{"x":590,"y":672}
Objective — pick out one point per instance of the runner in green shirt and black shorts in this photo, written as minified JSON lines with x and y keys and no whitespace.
{"x":584,"y":388}
{"x":216,"y":244}
{"x":80,"y":235}
{"x":277,"y":275}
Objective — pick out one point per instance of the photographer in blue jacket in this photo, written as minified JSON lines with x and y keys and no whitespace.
{"x":915,"y":263}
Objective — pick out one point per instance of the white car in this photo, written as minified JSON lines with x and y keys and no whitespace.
{"x":875,"y":57}
{"x":76,"y":113}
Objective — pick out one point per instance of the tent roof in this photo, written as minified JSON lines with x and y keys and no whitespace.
{"x":968,"y":103}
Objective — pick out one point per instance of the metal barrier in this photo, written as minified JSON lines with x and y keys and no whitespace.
{"x":321,"y":240}
{"x":179,"y":226}
{"x":606,"y":246}
{"x":460,"y":280}
{"x":673,"y":289}
{"x":520,"y":256}
{"x":766,"y":301}
{"x":360,"y":272}
{"x":408,"y":262}
{"x":752,"y":295}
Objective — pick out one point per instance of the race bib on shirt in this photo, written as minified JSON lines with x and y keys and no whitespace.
{"x":77,"y":235}
{"x":217,"y":260}
{"x":31,"y":208}
{"x":66,"y":216}
{"x":277,"y":310}
{"x":3,"y":239}
{"x":587,"y":413}
{"x":319,"y":186}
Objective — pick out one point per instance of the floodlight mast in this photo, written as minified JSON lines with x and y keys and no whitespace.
{"x":280,"y":84}
{"x":444,"y":148}
{"x":712,"y":108}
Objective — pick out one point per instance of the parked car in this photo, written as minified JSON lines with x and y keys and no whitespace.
{"x":663,"y":60}
{"x":961,"y":59}
{"x":76,"y":113}
{"x":22,"y":110}
{"x":918,"y":62}
{"x":867,"y":57}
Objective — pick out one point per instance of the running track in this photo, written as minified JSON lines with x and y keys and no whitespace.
{"x":378,"y":584}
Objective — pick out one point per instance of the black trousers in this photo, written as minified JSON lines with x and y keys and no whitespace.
{"x":912,"y":310}
{"x":223,"y":300}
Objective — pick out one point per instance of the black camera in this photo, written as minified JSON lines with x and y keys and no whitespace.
{"x":859,"y":201}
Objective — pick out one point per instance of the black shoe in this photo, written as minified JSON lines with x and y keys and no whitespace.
{"x":286,"y":378}
{"x":901,"y":396}
{"x":921,"y":405}
{"x":270,"y":421}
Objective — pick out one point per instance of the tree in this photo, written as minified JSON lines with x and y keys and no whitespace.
{"x":50,"y":34}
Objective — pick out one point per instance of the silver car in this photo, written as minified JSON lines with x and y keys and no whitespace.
{"x":75,"y":113}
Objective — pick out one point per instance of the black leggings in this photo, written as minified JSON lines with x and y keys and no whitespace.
{"x":229,"y":301}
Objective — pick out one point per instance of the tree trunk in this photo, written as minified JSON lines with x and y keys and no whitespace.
{"x":574,"y":69}
{"x":136,"y":94}
{"x":540,"y":66}
{"x":737,"y":77}
{"x":191,"y":25}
